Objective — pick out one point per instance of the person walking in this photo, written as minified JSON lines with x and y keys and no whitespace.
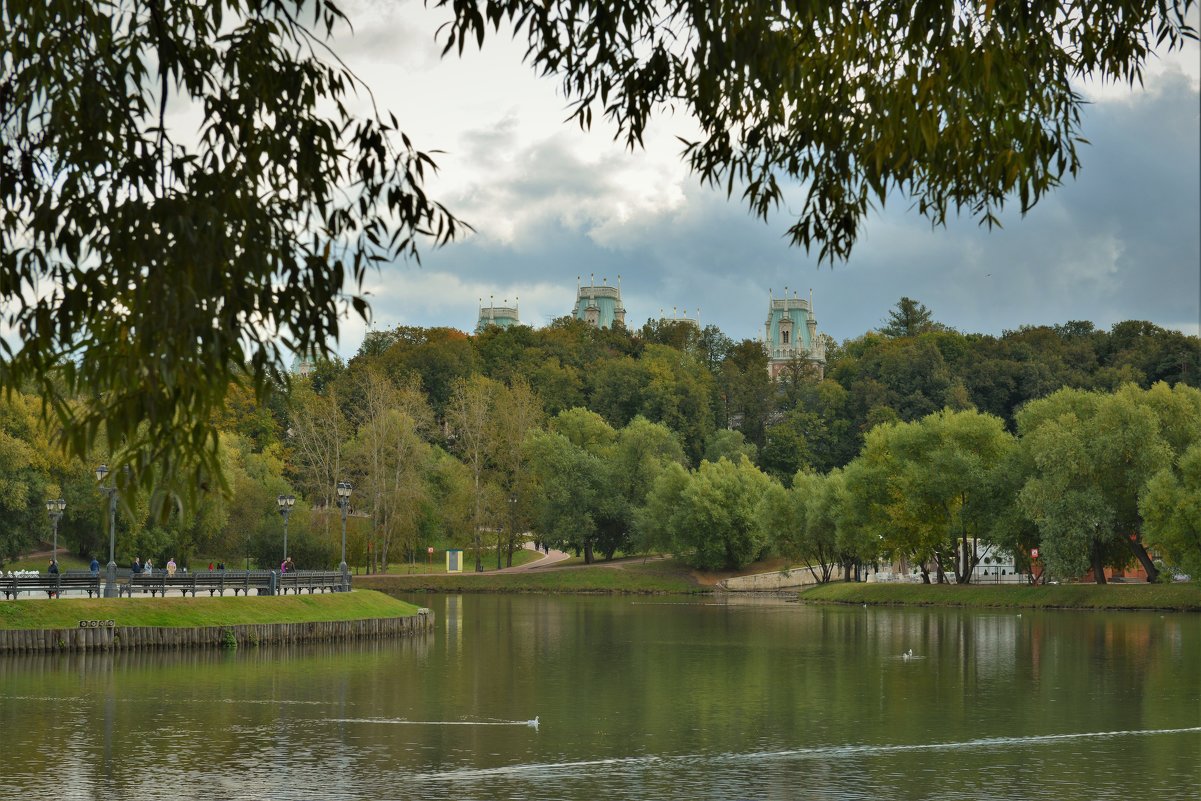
{"x":53,"y":570}
{"x":148,"y":569}
{"x":171,"y":566}
{"x":95,"y":566}
{"x":136,"y":568}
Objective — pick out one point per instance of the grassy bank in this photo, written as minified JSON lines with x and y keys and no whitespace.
{"x":627,"y":577}
{"x":437,"y":562}
{"x":190,"y":612}
{"x":1179,"y":597}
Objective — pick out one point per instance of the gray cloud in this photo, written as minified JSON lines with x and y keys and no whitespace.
{"x":1120,"y":242}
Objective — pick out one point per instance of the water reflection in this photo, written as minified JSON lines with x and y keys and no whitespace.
{"x":637,"y":698}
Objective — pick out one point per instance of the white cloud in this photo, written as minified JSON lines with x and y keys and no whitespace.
{"x":551,"y":202}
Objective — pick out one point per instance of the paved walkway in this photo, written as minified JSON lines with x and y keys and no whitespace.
{"x":549,"y":558}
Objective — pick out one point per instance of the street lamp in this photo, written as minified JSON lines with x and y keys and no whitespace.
{"x":286,"y":502}
{"x":512,"y":525}
{"x":110,"y":582}
{"x":55,"y":507}
{"x":344,"y":489}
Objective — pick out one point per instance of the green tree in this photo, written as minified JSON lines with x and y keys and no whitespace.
{"x":658,"y":520}
{"x":926,"y":487}
{"x":319,"y":433}
{"x":185,"y":261}
{"x":182,"y":262}
{"x":729,"y":444}
{"x":745,"y":390}
{"x":584,"y":429}
{"x":643,"y":450}
{"x":569,"y":488}
{"x":390,"y":456}
{"x":718,"y":527}
{"x":1092,"y":454}
{"x":23,"y":477}
{"x":469,"y":418}
{"x":819,"y":549}
{"x":518,"y":411}
{"x":1171,"y":508}
{"x":908,"y":319}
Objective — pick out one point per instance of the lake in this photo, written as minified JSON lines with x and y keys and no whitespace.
{"x":634,"y":698}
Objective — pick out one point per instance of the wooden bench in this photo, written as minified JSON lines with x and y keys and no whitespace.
{"x":299,"y":580}
{"x":215,"y":581}
{"x":50,"y":583}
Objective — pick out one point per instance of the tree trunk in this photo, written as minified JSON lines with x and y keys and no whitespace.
{"x":1098,"y":565}
{"x":1140,"y":553}
{"x":971,"y":558}
{"x":925,"y":574}
{"x":587,"y":552}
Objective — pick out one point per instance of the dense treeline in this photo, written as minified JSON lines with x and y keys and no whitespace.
{"x":919,"y":443}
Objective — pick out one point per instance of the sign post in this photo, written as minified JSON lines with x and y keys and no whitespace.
{"x":430,"y":551}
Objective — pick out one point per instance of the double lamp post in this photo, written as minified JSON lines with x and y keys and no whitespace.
{"x":344,"y":490}
{"x":55,"y":507}
{"x":110,"y":580}
{"x":286,"y":502}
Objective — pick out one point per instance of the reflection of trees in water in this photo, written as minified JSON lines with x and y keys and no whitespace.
{"x":614,"y":677}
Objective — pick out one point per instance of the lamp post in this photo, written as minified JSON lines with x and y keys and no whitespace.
{"x":344,"y":489}
{"x":55,"y":507}
{"x":110,"y":581}
{"x":286,"y":502}
{"x":512,"y":525}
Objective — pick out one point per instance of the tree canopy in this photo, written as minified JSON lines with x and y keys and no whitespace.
{"x":145,"y":269}
{"x":951,"y":106}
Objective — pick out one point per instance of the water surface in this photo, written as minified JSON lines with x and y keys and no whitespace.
{"x":634,"y":699}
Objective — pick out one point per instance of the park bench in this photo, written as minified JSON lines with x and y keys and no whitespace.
{"x":51,"y":584}
{"x":311,"y":580}
{"x":215,"y":581}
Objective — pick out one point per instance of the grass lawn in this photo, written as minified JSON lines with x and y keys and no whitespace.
{"x":66,"y":561}
{"x":1180,"y":597}
{"x":438,"y":563}
{"x":193,"y":612}
{"x":665,"y":576}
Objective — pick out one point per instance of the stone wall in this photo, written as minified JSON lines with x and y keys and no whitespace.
{"x":122,"y":637}
{"x":776,"y":580}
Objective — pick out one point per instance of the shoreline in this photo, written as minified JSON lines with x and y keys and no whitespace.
{"x":677,"y":580}
{"x":1090,"y":597}
{"x":98,"y":624}
{"x":125,"y":638}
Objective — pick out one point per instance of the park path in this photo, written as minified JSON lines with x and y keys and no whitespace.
{"x":549,"y":558}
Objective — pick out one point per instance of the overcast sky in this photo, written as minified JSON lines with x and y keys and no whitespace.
{"x":550,"y":202}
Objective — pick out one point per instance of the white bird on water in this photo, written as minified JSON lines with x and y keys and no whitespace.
{"x":533,"y":724}
{"x":907,"y":655}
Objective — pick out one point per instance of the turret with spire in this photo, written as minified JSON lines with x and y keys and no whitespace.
{"x":790,"y":334}
{"x":599,"y":306}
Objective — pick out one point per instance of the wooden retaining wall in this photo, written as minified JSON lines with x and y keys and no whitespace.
{"x":128,"y":637}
